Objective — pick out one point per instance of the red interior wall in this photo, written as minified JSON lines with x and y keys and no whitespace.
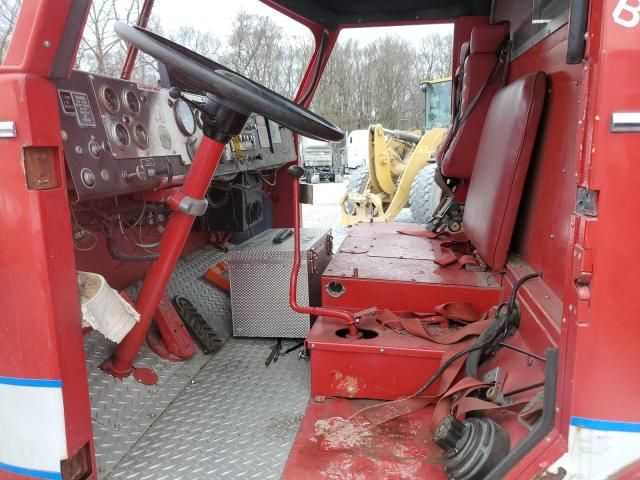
{"x":542,"y":231}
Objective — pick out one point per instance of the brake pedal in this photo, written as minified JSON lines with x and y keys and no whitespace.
{"x":197,"y":325}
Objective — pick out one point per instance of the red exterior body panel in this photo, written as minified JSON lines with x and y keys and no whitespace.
{"x":40,"y":335}
{"x":603,"y":319}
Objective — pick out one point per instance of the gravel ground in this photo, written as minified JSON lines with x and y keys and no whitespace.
{"x":325,"y":211}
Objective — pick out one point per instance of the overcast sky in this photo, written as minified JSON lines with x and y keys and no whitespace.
{"x":216,"y":16}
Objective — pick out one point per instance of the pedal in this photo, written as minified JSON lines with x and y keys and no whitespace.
{"x":168,"y":337}
{"x":197,"y":325}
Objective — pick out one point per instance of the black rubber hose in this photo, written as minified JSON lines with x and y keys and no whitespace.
{"x":128,"y":257}
{"x":487,"y":337}
{"x":498,"y":330}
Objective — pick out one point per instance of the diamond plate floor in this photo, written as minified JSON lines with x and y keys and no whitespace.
{"x":123,"y":410}
{"x":236,"y":419}
{"x":226,"y":416}
{"x":187,"y":280}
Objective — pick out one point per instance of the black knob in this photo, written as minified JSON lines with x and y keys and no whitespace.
{"x":448,"y":433}
{"x":296,"y":171}
{"x":175,"y":93}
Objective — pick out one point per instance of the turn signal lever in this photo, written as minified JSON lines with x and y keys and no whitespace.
{"x":297,"y":172}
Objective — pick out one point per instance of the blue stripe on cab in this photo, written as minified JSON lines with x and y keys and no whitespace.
{"x":30,"y":382}
{"x":30,"y":473}
{"x":607,"y":425}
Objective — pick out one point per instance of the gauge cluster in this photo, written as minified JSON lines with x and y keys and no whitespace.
{"x":121,"y":137}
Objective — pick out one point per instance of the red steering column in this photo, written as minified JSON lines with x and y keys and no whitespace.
{"x":187,"y":204}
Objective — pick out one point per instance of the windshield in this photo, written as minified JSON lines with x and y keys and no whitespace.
{"x":374,"y":75}
{"x":244,"y":35}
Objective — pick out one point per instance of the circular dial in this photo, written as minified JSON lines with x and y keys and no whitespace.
{"x":132,"y":101}
{"x":109,"y":99}
{"x":121,"y":134}
{"x":140,"y":136}
{"x":165,"y":137}
{"x":185,"y":118}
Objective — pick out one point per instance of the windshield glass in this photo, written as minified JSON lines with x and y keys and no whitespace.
{"x":374,"y":75}
{"x":244,"y":35}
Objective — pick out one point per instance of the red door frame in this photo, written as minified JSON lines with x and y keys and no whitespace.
{"x":41,"y":336}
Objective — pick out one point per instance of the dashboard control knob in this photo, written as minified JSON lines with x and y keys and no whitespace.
{"x":96,"y":149}
{"x":88,"y":178}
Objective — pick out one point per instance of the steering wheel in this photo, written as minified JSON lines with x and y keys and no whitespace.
{"x":229,"y":88}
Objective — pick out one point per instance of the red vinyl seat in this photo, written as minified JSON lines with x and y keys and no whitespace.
{"x":501,"y":165}
{"x":479,"y":64}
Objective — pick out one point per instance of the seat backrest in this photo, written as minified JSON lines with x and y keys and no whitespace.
{"x":501,"y":166}
{"x":456,"y":160}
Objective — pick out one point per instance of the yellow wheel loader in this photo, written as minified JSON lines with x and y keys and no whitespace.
{"x":400,"y":166}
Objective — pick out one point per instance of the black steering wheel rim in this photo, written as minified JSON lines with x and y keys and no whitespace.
{"x":230,"y":88}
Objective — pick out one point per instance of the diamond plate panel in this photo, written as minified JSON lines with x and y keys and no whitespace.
{"x":259,"y":273}
{"x":237,"y":419}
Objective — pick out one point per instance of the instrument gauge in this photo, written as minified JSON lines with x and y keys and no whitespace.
{"x":121,"y":135}
{"x":109,"y":99}
{"x":132,"y":101}
{"x":140,"y":136}
{"x":185,"y":118}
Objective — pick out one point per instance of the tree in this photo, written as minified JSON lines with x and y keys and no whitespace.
{"x":101,"y":51}
{"x":8,"y":16}
{"x":434,"y":57}
{"x":204,"y":43}
{"x":258,"y":49}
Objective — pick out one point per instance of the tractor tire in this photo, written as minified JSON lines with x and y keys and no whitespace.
{"x":424,"y":195}
{"x":358,"y":181}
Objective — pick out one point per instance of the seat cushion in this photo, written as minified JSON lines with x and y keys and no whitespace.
{"x":501,"y":166}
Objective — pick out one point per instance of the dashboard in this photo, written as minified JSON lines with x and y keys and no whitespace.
{"x":121,"y":137}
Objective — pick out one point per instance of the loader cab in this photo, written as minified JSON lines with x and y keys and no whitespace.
{"x":437,"y":103}
{"x":166,"y":314}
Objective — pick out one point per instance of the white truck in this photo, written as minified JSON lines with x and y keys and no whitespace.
{"x":357,"y":149}
{"x":320,"y":159}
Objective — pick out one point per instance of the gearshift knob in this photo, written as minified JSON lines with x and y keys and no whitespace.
{"x":296,"y":171}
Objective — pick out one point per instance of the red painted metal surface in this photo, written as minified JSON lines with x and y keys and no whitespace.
{"x":542,"y":232}
{"x":408,"y":279}
{"x":40,"y":335}
{"x":132,"y":52}
{"x":173,"y":240}
{"x":170,"y":338}
{"x":385,"y":367}
{"x":603,"y":314}
{"x":401,"y":448}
